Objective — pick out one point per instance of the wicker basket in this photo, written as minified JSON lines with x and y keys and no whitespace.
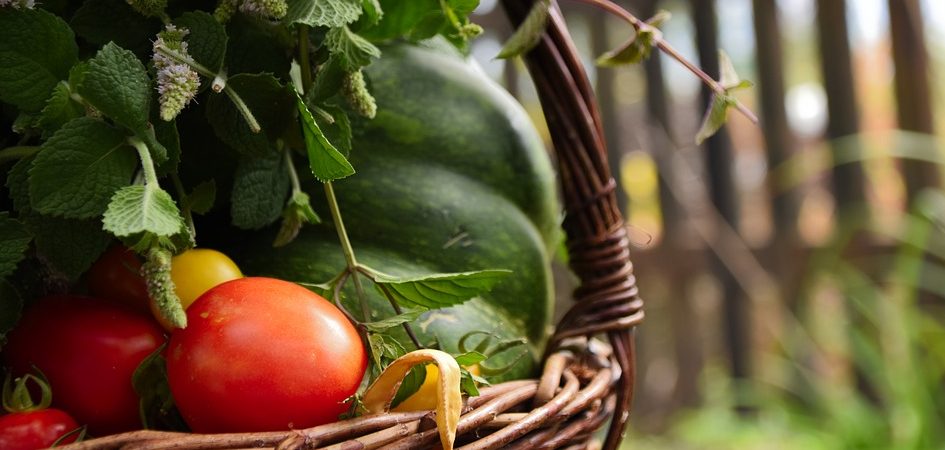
{"x":586,"y":383}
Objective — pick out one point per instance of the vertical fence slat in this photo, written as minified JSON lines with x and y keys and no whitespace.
{"x":913,"y":93}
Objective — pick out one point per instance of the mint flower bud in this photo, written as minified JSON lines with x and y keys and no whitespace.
{"x":149,"y":7}
{"x":177,"y":86}
{"x":225,"y":11}
{"x":273,"y":9}
{"x":17,"y":4}
{"x":177,"y":83}
{"x":355,"y":91}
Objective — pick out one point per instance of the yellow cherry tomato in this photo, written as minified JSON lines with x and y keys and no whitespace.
{"x":425,"y":397}
{"x":197,"y":270}
{"x":194,"y":272}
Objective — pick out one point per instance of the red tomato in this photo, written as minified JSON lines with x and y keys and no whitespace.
{"x":35,"y":429}
{"x":88,"y":350}
{"x":116,"y":276}
{"x":263,"y":354}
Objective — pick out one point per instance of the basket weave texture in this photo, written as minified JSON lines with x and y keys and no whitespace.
{"x":586,"y":383}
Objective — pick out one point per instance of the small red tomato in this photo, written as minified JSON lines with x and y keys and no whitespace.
{"x":88,"y":350}
{"x":261,"y":354}
{"x":116,"y":276}
{"x":30,"y":425}
{"x":36,"y":429}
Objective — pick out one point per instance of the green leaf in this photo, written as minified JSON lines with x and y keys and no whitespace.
{"x":379,"y":326}
{"x":102,"y":21}
{"x":371,"y":13}
{"x":143,"y":209}
{"x":438,"y":290}
{"x":330,"y":79}
{"x":326,"y":162}
{"x":14,"y":241}
{"x":400,"y":18}
{"x":357,"y":51}
{"x":157,"y":408}
{"x":36,"y":51}
{"x":117,"y":84}
{"x":163,"y":142}
{"x":464,"y":7}
{"x":11,"y":307}
{"x":296,"y":214}
{"x":79,"y":169}
{"x":469,"y":358}
{"x":632,"y":51}
{"x":323,"y":13}
{"x":272,"y":103}
{"x":60,"y":108}
{"x":728,"y":78}
{"x":715,"y":116}
{"x":260,"y":188}
{"x":200,"y":200}
{"x":206,"y":40}
{"x":69,"y":245}
{"x":251,"y":48}
{"x":528,"y":33}
{"x":338,"y":129}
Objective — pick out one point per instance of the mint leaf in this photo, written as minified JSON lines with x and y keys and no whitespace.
{"x":11,"y":306}
{"x":400,"y":18}
{"x":79,"y":168}
{"x":143,"y":210}
{"x":36,"y":51}
{"x":464,"y":7}
{"x":271,"y":103}
{"x":326,"y":162}
{"x":206,"y":40}
{"x":69,"y":245}
{"x":60,"y":108}
{"x":357,"y":51}
{"x":323,"y":13}
{"x":371,"y":13}
{"x":298,"y":212}
{"x":260,"y":189}
{"x":201,"y":199}
{"x":438,"y":290}
{"x":117,"y":84}
{"x":338,"y":129}
{"x":102,"y":21}
{"x":528,"y":34}
{"x":14,"y":240}
{"x":251,"y":48}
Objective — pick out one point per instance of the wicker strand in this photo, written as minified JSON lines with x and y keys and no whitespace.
{"x":607,"y":299}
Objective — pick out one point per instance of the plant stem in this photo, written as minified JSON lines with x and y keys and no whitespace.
{"x":147,"y":164}
{"x":305,"y":68}
{"x":219,"y":81}
{"x":640,"y":26}
{"x":17,"y":152}
{"x":243,"y":109}
{"x":347,"y":249}
{"x":185,"y":209}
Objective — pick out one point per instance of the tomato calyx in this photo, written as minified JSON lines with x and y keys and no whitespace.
{"x":17,"y":397}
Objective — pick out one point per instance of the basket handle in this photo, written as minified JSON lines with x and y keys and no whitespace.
{"x":607,"y":299}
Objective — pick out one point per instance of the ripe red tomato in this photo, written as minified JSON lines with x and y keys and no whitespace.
{"x":88,"y":350}
{"x":116,"y":276}
{"x":263,"y":354}
{"x":35,"y":429}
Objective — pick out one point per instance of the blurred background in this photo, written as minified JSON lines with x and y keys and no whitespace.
{"x":794,"y":269}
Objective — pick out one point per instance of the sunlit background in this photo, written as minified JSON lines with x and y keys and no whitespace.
{"x":823,"y":328}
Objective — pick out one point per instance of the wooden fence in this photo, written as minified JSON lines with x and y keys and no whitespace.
{"x":707,"y":275}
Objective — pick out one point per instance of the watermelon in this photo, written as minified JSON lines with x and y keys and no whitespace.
{"x":451,"y":176}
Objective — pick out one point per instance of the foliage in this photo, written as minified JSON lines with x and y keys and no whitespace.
{"x":863,"y":365}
